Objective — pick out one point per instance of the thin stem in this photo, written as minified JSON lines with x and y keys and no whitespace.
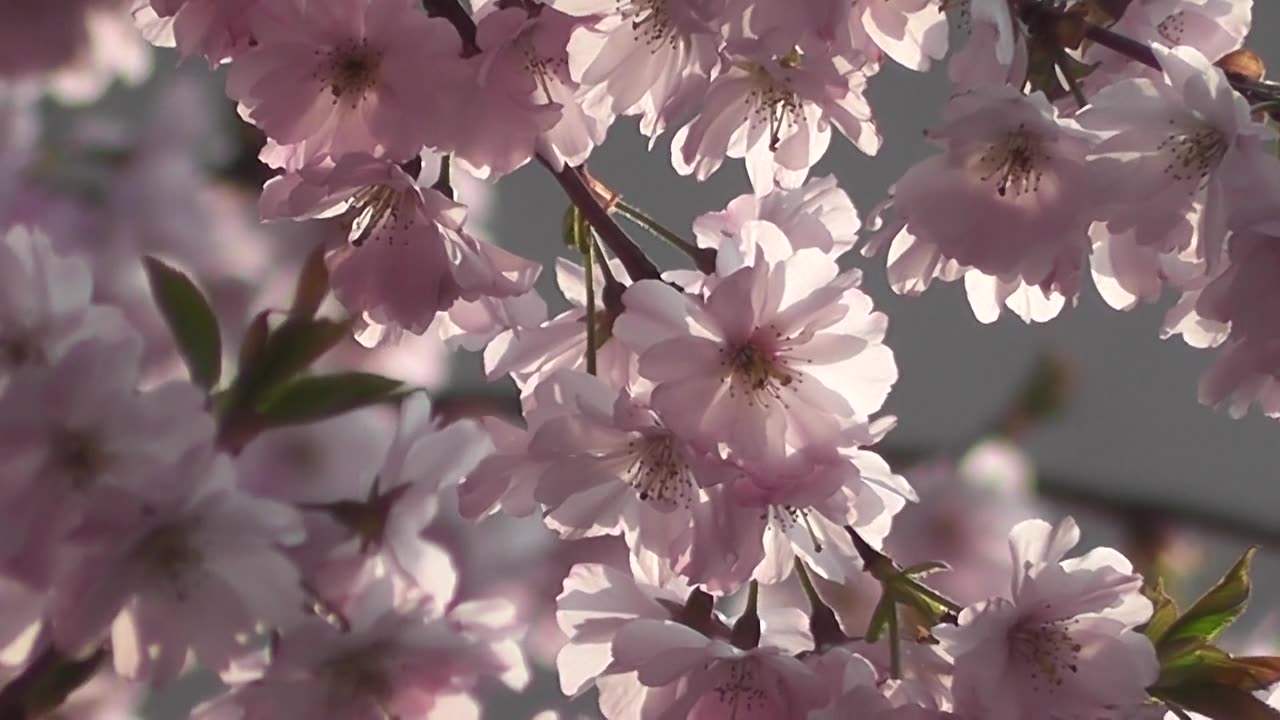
{"x":1073,"y":84}
{"x":444,"y":179}
{"x":895,"y":644}
{"x":746,"y":631}
{"x":823,"y":624}
{"x":458,"y":16}
{"x":591,"y":306}
{"x":703,"y":258}
{"x":637,"y":265}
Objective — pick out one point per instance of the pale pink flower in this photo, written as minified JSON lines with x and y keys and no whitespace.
{"x":218,"y":30}
{"x":489,"y":321}
{"x":45,"y":302}
{"x":1242,"y":375}
{"x":371,"y":522}
{"x":643,"y":57}
{"x":784,"y":354}
{"x":507,"y":479}
{"x":818,"y":214}
{"x":1007,"y":199}
{"x":408,"y":256}
{"x":524,"y":100}
{"x":345,"y":76}
{"x":532,"y":351}
{"x":995,"y":52}
{"x":182,"y":563}
{"x":1063,"y":639}
{"x":77,"y":426}
{"x":613,"y":468}
{"x":760,"y":519}
{"x":626,"y":634}
{"x":859,"y":688}
{"x":777,"y":114}
{"x":1182,"y":161}
{"x":392,"y":660}
{"x":911,"y":32}
{"x":1213,"y":27}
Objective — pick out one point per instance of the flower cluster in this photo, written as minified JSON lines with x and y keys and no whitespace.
{"x":714,"y":431}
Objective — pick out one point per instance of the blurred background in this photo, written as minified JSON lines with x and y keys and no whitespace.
{"x":161,"y":164}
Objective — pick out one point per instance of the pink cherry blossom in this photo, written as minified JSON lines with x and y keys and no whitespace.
{"x":613,"y":468}
{"x":183,"y":562}
{"x":635,"y":636}
{"x":525,"y":99}
{"x":995,"y":52}
{"x":370,"y":522}
{"x":911,"y":32}
{"x":45,"y":302}
{"x":535,"y":350}
{"x":1212,"y":27}
{"x":779,"y":354}
{"x":755,"y":525}
{"x":393,"y":660}
{"x":76,"y":426}
{"x":1182,"y":160}
{"x":777,"y":114}
{"x":216,"y":29}
{"x":643,"y":57}
{"x":818,"y":214}
{"x":1007,"y":199}
{"x":858,"y":690}
{"x":338,"y":76}
{"x":408,"y":256}
{"x":1063,"y":637}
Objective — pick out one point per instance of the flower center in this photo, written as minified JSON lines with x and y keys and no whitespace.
{"x":80,"y":455}
{"x":359,"y":674}
{"x":740,"y":693}
{"x":754,"y":372}
{"x":658,"y":472}
{"x":18,"y":351}
{"x":785,"y":517}
{"x":1172,"y":27}
{"x":773,"y":100}
{"x":650,"y":21}
{"x":167,"y":553}
{"x":373,"y":209}
{"x":1013,"y":163}
{"x":1194,"y":152}
{"x":1048,"y":651}
{"x":351,"y":70}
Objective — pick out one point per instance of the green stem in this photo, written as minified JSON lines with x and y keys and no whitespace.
{"x":703,"y":258}
{"x":895,"y":644}
{"x":823,"y":624}
{"x":1072,"y":83}
{"x":591,"y":307}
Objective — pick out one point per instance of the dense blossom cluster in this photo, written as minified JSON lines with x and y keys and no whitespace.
{"x":719,"y":425}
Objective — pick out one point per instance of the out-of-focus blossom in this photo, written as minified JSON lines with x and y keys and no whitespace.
{"x":183,"y":562}
{"x":393,"y":659}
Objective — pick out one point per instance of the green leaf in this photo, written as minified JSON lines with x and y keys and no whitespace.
{"x":1210,"y":665}
{"x":1164,"y":615}
{"x":287,"y":351}
{"x":1219,"y":703}
{"x":190,"y":319}
{"x":314,"y":398}
{"x":312,"y":286}
{"x":880,"y":618}
{"x":1217,"y":608}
